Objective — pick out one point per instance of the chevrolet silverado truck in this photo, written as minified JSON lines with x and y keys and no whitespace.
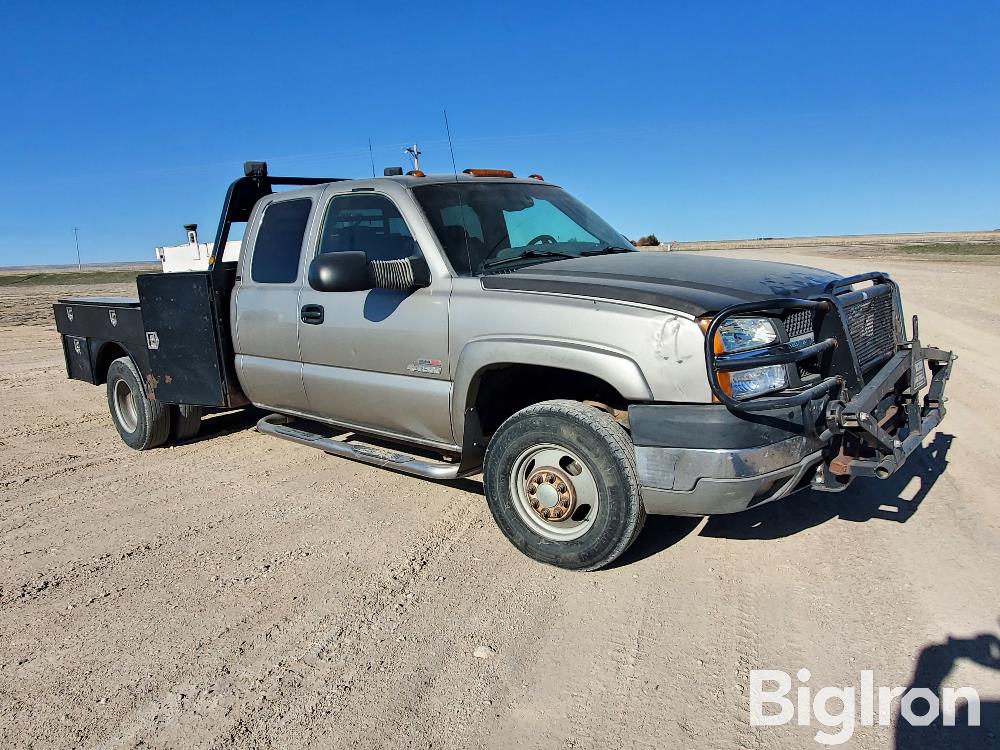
{"x":448,"y":325}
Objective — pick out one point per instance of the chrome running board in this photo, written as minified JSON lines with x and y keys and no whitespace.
{"x":275,"y":424}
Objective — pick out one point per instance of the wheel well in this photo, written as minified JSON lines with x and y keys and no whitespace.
{"x":501,"y":390}
{"x":108,"y":354}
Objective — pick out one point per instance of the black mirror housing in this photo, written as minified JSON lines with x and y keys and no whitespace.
{"x":340,"y":272}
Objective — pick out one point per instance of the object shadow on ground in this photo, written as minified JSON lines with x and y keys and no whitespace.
{"x":934,"y":663}
{"x":223,"y":423}
{"x":894,"y":499}
{"x":467,"y":484}
{"x":659,"y":533}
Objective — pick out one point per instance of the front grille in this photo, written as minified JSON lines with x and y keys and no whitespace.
{"x":799,"y":323}
{"x":870,"y":326}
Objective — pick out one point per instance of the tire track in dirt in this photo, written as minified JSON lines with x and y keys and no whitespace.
{"x":76,"y":572}
{"x":324,"y":659}
{"x":747,"y":633}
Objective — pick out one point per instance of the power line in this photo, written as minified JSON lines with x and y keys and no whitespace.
{"x":76,"y":235}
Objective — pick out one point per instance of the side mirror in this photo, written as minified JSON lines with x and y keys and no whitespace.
{"x":340,"y":272}
{"x":352,"y":272}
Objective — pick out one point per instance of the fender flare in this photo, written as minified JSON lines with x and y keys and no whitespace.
{"x":616,"y":369}
{"x":99,"y":354}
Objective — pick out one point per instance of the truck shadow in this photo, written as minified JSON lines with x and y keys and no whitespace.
{"x":220,"y":423}
{"x":934,"y":663}
{"x":894,"y":499}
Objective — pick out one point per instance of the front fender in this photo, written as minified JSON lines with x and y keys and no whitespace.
{"x":613,"y":367}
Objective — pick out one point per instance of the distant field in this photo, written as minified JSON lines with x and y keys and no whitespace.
{"x":948,"y":248}
{"x":893,"y":243}
{"x":64,"y":278}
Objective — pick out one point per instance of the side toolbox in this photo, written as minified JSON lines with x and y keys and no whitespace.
{"x":79,"y":365}
{"x":88,"y":324}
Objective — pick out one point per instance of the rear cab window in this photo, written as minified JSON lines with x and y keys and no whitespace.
{"x":278,"y":247}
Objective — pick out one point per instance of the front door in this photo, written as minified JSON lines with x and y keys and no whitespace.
{"x":377,"y":359}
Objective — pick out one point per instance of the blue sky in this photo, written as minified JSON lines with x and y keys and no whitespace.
{"x":690,"y":120}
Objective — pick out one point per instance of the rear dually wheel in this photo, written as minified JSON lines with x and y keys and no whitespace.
{"x":141,"y":422}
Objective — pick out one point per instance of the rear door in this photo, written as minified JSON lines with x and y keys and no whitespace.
{"x":379,"y":358}
{"x":266,"y":310}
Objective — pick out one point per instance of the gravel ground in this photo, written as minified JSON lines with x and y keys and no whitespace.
{"x":240,"y":591}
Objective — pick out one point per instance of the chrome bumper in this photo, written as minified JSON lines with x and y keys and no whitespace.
{"x":697,"y":482}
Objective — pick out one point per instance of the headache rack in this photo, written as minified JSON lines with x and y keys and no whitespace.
{"x":860,"y":376}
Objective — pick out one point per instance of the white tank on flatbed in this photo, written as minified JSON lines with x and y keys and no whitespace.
{"x":193,"y":255}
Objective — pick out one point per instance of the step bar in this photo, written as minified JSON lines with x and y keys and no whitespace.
{"x":275,"y":424}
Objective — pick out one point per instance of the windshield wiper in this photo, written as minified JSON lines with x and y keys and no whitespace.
{"x":607,"y":250}
{"x":527,"y":254}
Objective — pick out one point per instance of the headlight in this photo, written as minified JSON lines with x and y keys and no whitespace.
{"x":742,"y":334}
{"x":739,"y":336}
{"x":746,"y":383}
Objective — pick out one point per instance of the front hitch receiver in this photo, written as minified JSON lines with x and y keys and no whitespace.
{"x":886,"y":421}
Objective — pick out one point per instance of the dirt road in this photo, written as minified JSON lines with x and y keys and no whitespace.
{"x":240,"y":591}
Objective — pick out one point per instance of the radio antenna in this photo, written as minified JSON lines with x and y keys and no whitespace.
{"x":458,"y":190}
{"x":371,"y":155}
{"x":450,"y":146}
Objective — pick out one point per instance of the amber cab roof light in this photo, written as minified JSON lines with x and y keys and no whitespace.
{"x":536,"y":177}
{"x":489,"y":172}
{"x":415,"y":173}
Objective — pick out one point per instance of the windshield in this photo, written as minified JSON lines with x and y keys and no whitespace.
{"x":486,"y":224}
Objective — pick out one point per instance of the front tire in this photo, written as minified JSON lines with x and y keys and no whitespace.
{"x":560,"y":480}
{"x":142,"y":423}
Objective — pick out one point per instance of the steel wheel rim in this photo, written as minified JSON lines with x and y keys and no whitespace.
{"x":126,"y":409}
{"x":552,"y":480}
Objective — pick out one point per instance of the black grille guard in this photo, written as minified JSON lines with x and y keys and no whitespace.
{"x":849,"y":402}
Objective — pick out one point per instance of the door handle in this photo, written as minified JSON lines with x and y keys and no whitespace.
{"x":312,"y":314}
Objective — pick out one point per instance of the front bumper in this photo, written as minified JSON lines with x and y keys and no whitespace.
{"x":712,"y":459}
{"x":692,"y":482}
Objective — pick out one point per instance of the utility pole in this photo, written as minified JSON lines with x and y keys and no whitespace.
{"x":76,"y":234}
{"x":414,"y":153}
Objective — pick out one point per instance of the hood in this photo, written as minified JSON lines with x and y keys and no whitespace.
{"x":689,"y":282}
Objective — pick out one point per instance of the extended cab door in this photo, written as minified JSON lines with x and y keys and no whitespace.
{"x":378,"y":359}
{"x":265,"y":309}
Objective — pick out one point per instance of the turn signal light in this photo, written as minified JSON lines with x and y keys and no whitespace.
{"x":723,"y":377}
{"x":489,"y":172}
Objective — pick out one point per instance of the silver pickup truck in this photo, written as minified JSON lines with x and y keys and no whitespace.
{"x":449,"y":325}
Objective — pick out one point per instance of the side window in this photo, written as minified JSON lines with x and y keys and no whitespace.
{"x":366,"y":222}
{"x":278,"y":246}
